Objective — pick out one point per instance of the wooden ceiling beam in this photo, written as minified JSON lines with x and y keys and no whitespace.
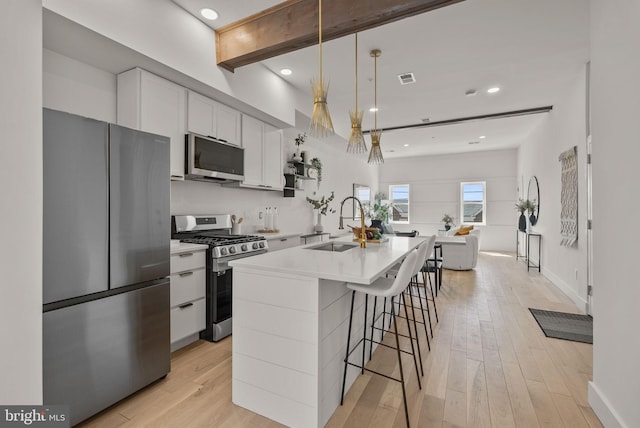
{"x":293,"y":25}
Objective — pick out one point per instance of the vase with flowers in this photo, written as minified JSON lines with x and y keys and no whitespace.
{"x":523,"y":205}
{"x":448,"y":221}
{"x":321,"y":206}
{"x":379,"y":211}
{"x":299,"y":140}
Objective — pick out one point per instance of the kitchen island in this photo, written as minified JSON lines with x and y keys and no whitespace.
{"x":290,"y":320}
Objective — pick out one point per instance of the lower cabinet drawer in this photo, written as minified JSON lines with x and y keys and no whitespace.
{"x":282,"y":243}
{"x":187,"y":319}
{"x":187,"y":286}
{"x":187,"y":260}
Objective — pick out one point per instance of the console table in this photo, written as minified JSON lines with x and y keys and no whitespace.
{"x":527,"y":255}
{"x":529,"y":264}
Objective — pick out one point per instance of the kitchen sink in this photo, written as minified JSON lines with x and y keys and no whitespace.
{"x":337,"y":247}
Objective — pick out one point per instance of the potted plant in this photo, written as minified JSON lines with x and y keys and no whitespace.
{"x":299,"y":140}
{"x":317,"y":164}
{"x":379,"y":212}
{"x":448,"y":221}
{"x":522,"y":205}
{"x":322,"y":206}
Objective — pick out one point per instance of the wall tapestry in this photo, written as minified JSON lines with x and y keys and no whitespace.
{"x":569,"y":198}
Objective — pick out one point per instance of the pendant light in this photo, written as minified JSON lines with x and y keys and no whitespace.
{"x":356,"y":142}
{"x":375,"y":156}
{"x":321,"y":125}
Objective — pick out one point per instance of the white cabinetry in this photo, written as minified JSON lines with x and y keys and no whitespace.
{"x":262,"y":155}
{"x":152,"y":104}
{"x":210,"y":118}
{"x":188,"y":292}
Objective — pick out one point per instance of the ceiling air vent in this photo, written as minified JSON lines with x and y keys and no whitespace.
{"x":406,"y":78}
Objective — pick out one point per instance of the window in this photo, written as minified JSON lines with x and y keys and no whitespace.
{"x":363,"y":193}
{"x":399,"y":198}
{"x":473,"y":202}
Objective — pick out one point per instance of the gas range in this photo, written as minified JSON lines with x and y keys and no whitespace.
{"x":213,"y":230}
{"x":230,"y":245}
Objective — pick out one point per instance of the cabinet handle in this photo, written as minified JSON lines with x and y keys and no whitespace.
{"x":186,"y":254}
{"x":283,"y":239}
{"x":185,"y":306}
{"x":183,"y":274}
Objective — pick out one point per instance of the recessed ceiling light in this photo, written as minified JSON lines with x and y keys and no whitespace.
{"x":474,"y":142}
{"x":286,"y":72}
{"x":373,"y":109}
{"x":493,"y":90}
{"x":209,"y":14}
{"x":406,"y":145}
{"x":482,"y":137}
{"x":470,"y":92}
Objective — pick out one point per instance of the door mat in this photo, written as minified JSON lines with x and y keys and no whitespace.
{"x":563,"y":325}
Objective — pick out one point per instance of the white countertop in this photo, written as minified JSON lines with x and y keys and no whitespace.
{"x":358,"y":265}
{"x":181,"y":247}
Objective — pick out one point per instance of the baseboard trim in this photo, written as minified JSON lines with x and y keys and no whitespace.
{"x":580,"y":302}
{"x":603,"y":409}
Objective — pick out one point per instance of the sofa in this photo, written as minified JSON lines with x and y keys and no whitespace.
{"x":460,"y":252}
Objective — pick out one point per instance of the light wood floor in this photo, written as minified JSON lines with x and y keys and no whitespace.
{"x":489,"y":366}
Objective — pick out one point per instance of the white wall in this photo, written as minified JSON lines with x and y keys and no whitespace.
{"x":75,"y":87}
{"x":340,"y":170}
{"x":435,"y":190}
{"x":615,"y":101}
{"x":164,"y":32}
{"x":563,"y":128}
{"x":21,"y":213}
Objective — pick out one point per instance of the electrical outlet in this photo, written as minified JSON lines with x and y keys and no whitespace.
{"x":260,"y":215}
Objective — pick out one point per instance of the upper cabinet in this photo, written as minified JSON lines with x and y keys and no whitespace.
{"x":152,"y":104}
{"x":262,"y":155}
{"x":212,"y":119}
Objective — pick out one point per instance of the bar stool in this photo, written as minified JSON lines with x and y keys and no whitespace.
{"x":420,"y":260}
{"x":383,"y":287}
{"x":432,"y":265}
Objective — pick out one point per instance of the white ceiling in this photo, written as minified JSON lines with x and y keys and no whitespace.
{"x":530,"y":48}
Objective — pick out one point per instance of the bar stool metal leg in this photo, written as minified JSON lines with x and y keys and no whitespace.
{"x":346,"y":357}
{"x":415,"y":328}
{"x":404,"y":392}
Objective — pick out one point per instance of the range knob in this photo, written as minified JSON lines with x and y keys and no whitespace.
{"x":255,"y":246}
{"x":223,"y":251}
{"x":232,"y":250}
{"x":261,"y":244}
{"x":243,"y":247}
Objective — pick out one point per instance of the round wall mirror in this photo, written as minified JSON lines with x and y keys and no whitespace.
{"x":533,"y":194}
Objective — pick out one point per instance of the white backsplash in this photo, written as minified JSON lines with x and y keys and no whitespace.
{"x":340,"y":171}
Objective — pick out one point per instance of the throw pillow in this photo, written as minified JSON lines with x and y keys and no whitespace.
{"x":464,"y":230}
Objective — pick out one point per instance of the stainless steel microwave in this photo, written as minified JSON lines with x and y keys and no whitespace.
{"x":209,"y":159}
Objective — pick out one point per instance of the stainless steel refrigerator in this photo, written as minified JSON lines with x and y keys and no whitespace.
{"x":106,"y":234}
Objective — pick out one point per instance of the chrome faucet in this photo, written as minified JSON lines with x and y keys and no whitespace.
{"x":363,"y":234}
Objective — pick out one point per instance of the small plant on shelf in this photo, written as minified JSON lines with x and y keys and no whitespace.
{"x":300,"y":139}
{"x":322,"y":204}
{"x":317,"y":164}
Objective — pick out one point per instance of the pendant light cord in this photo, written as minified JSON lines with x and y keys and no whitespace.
{"x":375,"y":92}
{"x":356,"y":55}
{"x":320,"y":35}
